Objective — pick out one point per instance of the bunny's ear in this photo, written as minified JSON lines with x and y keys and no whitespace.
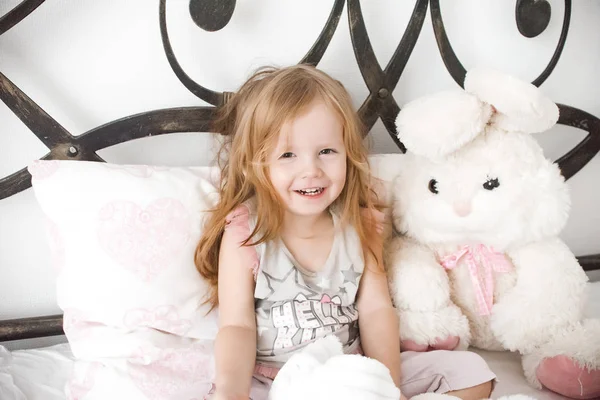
{"x":437,"y":125}
{"x":520,"y":106}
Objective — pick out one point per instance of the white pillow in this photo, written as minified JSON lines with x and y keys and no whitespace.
{"x":385,"y":168}
{"x":124,"y":238}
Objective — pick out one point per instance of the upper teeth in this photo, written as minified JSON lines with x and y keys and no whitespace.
{"x":311,"y":190}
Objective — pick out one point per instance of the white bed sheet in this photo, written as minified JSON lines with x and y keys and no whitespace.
{"x":41,"y":374}
{"x":35,"y":374}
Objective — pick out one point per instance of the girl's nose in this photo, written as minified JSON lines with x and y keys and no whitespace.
{"x":312,"y":169}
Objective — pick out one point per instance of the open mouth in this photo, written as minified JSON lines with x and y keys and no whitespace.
{"x":311,"y":191}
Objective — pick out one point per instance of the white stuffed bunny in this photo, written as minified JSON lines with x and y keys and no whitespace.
{"x":477,"y":259}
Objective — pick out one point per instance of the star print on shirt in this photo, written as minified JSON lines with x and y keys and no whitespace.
{"x":350,"y":276}
{"x":290,"y":283}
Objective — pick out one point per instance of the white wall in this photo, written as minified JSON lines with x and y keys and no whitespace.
{"x":87,"y":62}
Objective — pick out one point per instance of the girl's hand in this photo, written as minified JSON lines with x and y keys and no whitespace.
{"x":403,"y":397}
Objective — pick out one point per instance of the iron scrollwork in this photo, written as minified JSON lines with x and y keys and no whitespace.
{"x":531,"y":17}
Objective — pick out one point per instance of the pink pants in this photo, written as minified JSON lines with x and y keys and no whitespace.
{"x":438,"y":371}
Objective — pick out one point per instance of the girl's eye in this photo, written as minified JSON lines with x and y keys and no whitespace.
{"x":287,"y":155}
{"x":327,"y":151}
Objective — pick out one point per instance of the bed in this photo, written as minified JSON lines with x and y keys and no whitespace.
{"x":42,"y":373}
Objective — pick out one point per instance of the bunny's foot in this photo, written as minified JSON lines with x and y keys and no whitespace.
{"x":563,"y":375}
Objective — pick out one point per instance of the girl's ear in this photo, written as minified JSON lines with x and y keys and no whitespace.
{"x":520,"y":106}
{"x":437,"y":125}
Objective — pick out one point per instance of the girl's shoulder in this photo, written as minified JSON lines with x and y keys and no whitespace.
{"x":241,"y":216}
{"x":239,"y":223}
{"x":237,"y":230}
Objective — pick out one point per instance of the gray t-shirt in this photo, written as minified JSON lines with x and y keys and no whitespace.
{"x":294,"y":307}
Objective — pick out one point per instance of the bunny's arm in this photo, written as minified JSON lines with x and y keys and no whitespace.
{"x":421,"y":293}
{"x":548,"y":296}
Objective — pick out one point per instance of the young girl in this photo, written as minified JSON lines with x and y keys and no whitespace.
{"x":293,"y":250}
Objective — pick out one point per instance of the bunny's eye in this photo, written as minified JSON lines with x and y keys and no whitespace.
{"x":433,"y":186}
{"x":491,"y":184}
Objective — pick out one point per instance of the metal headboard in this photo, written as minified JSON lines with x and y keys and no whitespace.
{"x":532,"y":17}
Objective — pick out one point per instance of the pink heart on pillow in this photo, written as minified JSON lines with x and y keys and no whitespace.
{"x":173,"y":373}
{"x":164,"y":318}
{"x":144,"y":241}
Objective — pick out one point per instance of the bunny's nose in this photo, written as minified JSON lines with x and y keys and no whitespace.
{"x":462,"y":208}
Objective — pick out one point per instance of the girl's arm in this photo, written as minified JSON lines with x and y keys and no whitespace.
{"x":377,"y":317}
{"x":235,"y":348}
{"x":378,"y":321}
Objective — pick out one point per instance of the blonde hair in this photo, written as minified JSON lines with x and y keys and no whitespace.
{"x":251,"y":122}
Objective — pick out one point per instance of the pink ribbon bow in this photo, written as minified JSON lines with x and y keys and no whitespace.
{"x":483,"y":284}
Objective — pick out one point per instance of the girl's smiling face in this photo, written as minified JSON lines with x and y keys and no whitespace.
{"x":308,"y":165}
